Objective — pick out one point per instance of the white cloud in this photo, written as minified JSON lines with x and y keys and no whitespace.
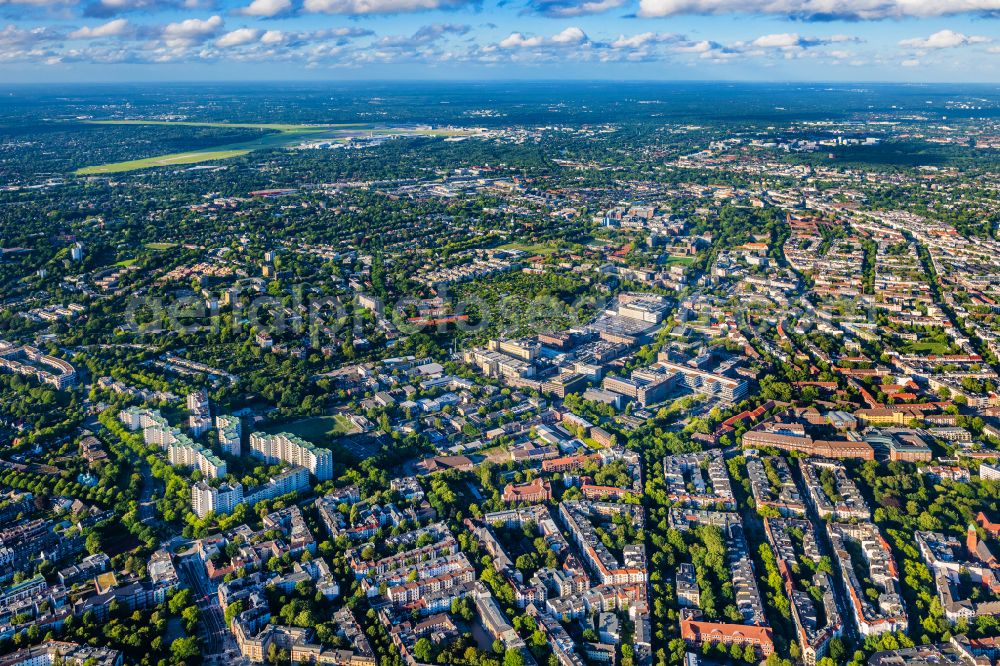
{"x":199,"y":39}
{"x":793,"y":41}
{"x":911,"y":63}
{"x":944,"y":39}
{"x":786,"y":45}
{"x":191,"y":31}
{"x":780,"y":40}
{"x":697,"y":47}
{"x":266,"y":8}
{"x":36,"y":3}
{"x":13,"y":36}
{"x":570,"y":9}
{"x":272,"y":37}
{"x":568,"y":37}
{"x":517,"y":40}
{"x":643,"y":39}
{"x":113,"y":28}
{"x":296,"y":39}
{"x":104,"y":8}
{"x":571,"y":35}
{"x":361,"y":7}
{"x":238,"y":37}
{"x":822,"y":9}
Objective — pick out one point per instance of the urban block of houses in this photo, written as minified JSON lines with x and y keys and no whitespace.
{"x":877,"y":609}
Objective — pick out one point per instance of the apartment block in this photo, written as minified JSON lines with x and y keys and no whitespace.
{"x":285,"y":447}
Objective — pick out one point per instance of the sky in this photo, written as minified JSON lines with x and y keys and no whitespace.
{"x":248,"y":40}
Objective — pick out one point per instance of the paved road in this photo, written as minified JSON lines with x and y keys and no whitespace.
{"x":151,"y":489}
{"x":753,"y":519}
{"x":218,"y":644}
{"x":826,"y":548}
{"x":147,"y":496}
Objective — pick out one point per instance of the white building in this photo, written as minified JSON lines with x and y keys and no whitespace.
{"x":230,"y":432}
{"x":989,"y":472}
{"x":293,"y":450}
{"x":225,"y":498}
{"x":181,"y":449}
{"x":222,"y":500}
{"x":200,"y":419}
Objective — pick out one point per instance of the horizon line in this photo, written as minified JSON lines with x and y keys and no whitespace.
{"x":481,"y":82}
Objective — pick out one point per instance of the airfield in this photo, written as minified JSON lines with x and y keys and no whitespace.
{"x":279,"y":135}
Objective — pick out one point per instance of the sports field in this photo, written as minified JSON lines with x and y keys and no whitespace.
{"x":317,"y":429}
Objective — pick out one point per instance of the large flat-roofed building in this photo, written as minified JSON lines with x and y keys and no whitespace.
{"x":499,"y":365}
{"x":522,"y":349}
{"x":989,"y":472}
{"x":834,"y":448}
{"x":181,"y":449}
{"x":62,"y":652}
{"x":564,"y":384}
{"x":293,"y":450}
{"x":700,"y":381}
{"x":557,"y":340}
{"x":225,"y":498}
{"x":646,"y":387}
{"x":206,"y":499}
{"x":900,"y":444}
{"x":87,"y":569}
{"x":696,"y":632}
{"x":290,"y":481}
{"x":924,"y":655}
{"x":648,"y":308}
{"x":537,"y":490}
{"x":185,"y":452}
{"x":31,"y":362}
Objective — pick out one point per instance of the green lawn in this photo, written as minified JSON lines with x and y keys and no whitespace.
{"x":543,"y":249}
{"x":935,"y":348}
{"x":680,"y":259}
{"x":317,"y":429}
{"x":161,"y":246}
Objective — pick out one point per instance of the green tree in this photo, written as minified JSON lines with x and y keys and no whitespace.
{"x":184,"y":648}
{"x":513,"y":658}
{"x":423,"y":650}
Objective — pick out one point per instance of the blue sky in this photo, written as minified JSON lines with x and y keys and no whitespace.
{"x":772,"y":40}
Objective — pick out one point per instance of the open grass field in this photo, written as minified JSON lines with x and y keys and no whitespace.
{"x":161,"y":246}
{"x":931,"y":348}
{"x":531,"y":248}
{"x":317,"y":429}
{"x":280,"y":135}
{"x":175,"y":159}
